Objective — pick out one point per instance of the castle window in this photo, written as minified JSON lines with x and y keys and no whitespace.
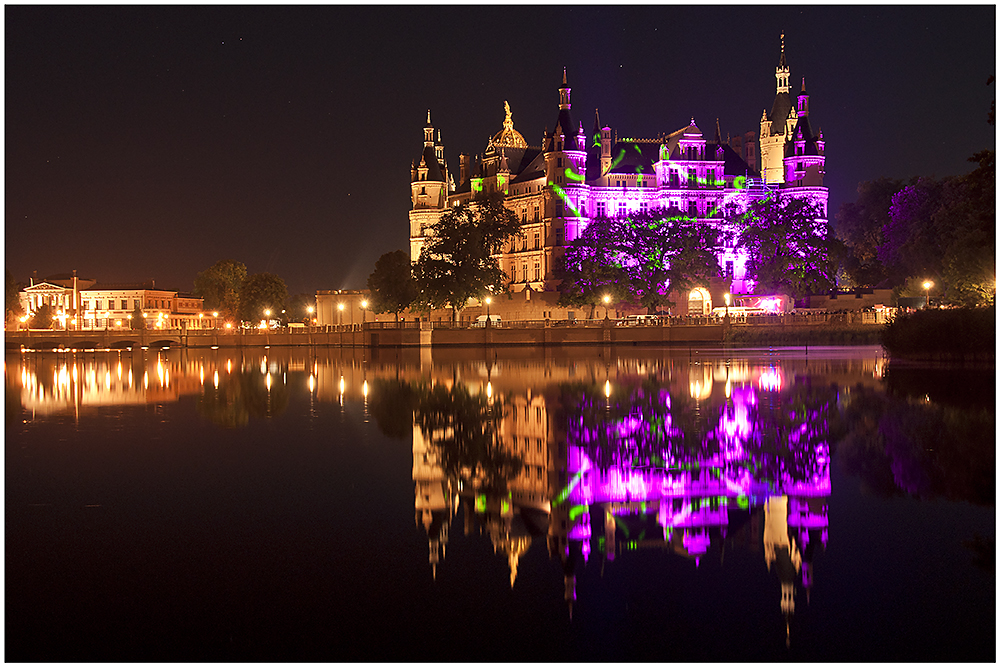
{"x":693,"y":209}
{"x":559,"y":162}
{"x":524,"y":273}
{"x":538,"y":276}
{"x":536,"y":241}
{"x":536,"y":212}
{"x":643,"y":207}
{"x":559,"y":210}
{"x":559,"y":237}
{"x":602,"y":209}
{"x":622,"y":209}
{"x":729,"y":269}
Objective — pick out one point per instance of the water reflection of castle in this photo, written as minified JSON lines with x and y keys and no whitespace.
{"x":679,"y":461}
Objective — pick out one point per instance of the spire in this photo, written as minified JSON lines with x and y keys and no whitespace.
{"x":564,"y":93}
{"x":718,"y":132}
{"x":781,"y":71}
{"x":428,"y":131}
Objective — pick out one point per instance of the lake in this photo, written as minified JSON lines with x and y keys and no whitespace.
{"x":536,"y":504}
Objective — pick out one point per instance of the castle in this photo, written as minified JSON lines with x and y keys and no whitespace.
{"x":555,"y":189}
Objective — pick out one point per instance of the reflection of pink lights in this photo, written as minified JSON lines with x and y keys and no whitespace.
{"x":770,"y":380}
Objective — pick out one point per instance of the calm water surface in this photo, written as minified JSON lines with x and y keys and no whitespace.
{"x":498,"y":505}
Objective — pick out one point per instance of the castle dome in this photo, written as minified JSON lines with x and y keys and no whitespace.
{"x":508,"y":137}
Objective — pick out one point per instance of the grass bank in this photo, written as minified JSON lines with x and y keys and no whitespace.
{"x":957,"y":334}
{"x":819,"y":334}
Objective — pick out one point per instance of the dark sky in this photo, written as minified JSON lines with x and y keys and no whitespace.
{"x":150,"y":142}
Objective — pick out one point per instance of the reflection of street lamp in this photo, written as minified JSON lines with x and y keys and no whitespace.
{"x":726,"y":297}
{"x":607,"y":300}
{"x":927,"y":295}
{"x":340,"y":307}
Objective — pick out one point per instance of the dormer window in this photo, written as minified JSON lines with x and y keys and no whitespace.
{"x":558,"y":145}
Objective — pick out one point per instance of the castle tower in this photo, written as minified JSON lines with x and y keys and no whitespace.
{"x":428,"y":189}
{"x":565,"y":154}
{"x":804,"y":159}
{"x":776,"y":126}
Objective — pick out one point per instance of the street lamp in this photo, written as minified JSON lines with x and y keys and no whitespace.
{"x":607,"y":300}
{"x":488,"y":301}
{"x":364,"y":306}
{"x":927,"y":296}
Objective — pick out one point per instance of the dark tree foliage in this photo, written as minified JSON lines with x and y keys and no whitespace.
{"x":42,"y":319}
{"x":459,"y":261}
{"x":392,"y":405}
{"x":137,"y":321}
{"x":262,"y":291}
{"x":12,"y":297}
{"x":465,"y":428}
{"x":392,"y":286}
{"x":788,"y":250}
{"x":220,"y":285}
{"x":590,"y":267}
{"x":636,"y":257}
{"x":297,"y":308}
{"x":860,"y":225}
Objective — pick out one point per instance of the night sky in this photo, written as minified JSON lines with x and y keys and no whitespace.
{"x":151,"y":142}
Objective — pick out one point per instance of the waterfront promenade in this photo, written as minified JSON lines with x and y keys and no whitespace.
{"x":671,"y":331}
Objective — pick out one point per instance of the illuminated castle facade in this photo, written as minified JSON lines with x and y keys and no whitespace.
{"x":556,"y":188}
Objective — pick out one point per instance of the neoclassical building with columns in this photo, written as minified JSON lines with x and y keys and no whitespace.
{"x":556,"y":188}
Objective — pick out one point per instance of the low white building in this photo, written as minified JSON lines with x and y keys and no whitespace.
{"x":85,"y":304}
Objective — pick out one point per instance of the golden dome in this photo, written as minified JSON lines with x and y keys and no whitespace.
{"x":508,"y":136}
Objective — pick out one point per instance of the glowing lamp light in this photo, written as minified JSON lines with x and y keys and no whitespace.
{"x":229,"y":325}
{"x":340,"y":306}
{"x":215,"y":313}
{"x":309,"y":309}
{"x":364,"y":304}
{"x":607,"y":299}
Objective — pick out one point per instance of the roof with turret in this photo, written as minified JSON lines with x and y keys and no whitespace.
{"x":802,"y":132}
{"x":434,"y":171}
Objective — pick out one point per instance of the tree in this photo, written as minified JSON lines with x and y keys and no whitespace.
{"x":220,"y":285}
{"x":297,"y":309}
{"x":42,"y":319}
{"x":261,"y":291}
{"x":12,"y":296}
{"x":637,"y":257}
{"x":590,"y":267}
{"x":459,"y":260}
{"x":859,"y":226}
{"x":391,"y":283}
{"x":672,"y":250}
{"x":137,"y":321}
{"x":969,"y":263}
{"x":788,"y":250}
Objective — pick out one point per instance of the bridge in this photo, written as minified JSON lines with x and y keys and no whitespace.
{"x":97,"y":339}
